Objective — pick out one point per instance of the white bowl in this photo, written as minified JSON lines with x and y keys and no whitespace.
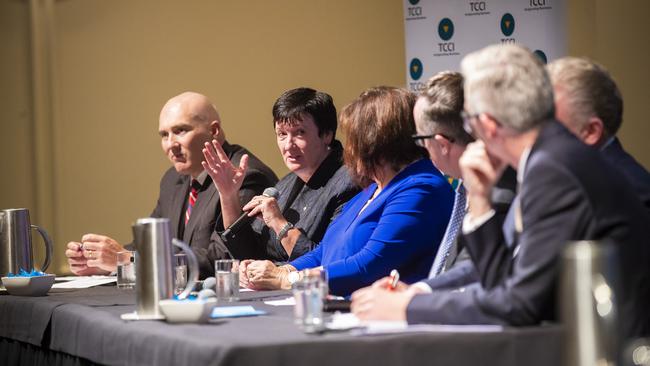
{"x":29,"y":286}
{"x":187,"y":311}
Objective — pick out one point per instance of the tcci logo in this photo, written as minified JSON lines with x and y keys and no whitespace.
{"x":414,"y":12}
{"x":445,"y":29}
{"x":507,"y":24}
{"x":507,"y":27}
{"x":445,"y":32}
{"x":415,"y":68}
{"x":538,"y":5}
{"x":477,"y":7}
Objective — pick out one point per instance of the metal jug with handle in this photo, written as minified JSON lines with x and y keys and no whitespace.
{"x":153,"y":266}
{"x":16,"y":242}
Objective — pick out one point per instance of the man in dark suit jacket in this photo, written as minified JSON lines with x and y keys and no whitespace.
{"x":589,"y":103}
{"x":187,"y":122}
{"x":440,"y":130}
{"x":565,"y":193}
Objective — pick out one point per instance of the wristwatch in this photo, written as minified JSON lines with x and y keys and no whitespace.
{"x":285,"y":229}
{"x":293,"y":277}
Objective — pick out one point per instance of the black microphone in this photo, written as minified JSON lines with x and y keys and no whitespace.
{"x":244,"y":219}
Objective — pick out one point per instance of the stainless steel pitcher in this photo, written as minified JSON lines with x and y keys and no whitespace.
{"x":589,"y":283}
{"x":153,"y":265}
{"x":16,"y":242}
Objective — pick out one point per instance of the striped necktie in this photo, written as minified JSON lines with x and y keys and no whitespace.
{"x":451,"y":233}
{"x":191,"y":199}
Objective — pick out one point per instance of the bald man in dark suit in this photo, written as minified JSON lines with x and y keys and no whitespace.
{"x":187,"y":196}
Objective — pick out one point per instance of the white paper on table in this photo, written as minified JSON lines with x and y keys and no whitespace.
{"x":388,"y":327}
{"x":343,"y":321}
{"x":245,"y":289}
{"x":83,"y":281}
{"x":289,"y":301}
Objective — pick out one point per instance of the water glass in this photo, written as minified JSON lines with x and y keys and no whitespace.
{"x":308,"y":312}
{"x":320,"y":274}
{"x":227,"y":278}
{"x":180,"y":272}
{"x":126,"y":269}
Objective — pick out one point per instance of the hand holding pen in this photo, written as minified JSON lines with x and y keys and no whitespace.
{"x":393,"y":280}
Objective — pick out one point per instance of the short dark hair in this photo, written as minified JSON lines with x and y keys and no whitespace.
{"x":378,"y":128}
{"x":444,"y":96}
{"x":293,"y":104}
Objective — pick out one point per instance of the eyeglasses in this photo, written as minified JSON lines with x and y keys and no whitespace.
{"x":419,"y":139}
{"x":467,"y":122}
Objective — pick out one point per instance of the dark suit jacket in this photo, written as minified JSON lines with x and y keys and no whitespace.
{"x":568,"y":193}
{"x":637,"y":176}
{"x":206,"y":220}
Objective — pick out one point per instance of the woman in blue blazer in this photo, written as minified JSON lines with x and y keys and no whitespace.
{"x":397,"y":221}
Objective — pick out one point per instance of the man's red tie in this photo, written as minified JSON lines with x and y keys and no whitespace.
{"x":191,"y":200}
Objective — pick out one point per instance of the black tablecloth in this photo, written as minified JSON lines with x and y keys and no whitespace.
{"x":86,"y":324}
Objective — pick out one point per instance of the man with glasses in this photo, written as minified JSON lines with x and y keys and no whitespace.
{"x":440,"y":130}
{"x":564,"y":194}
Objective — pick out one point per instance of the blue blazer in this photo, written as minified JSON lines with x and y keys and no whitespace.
{"x":400,"y":229}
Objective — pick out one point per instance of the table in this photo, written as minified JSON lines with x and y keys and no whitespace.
{"x":83,"y":327}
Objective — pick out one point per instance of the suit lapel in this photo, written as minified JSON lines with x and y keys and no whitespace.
{"x":180,"y":195}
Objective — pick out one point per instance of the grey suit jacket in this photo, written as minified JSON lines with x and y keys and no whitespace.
{"x":568,"y":193}
{"x":205,"y":221}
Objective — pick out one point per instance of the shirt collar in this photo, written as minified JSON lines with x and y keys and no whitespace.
{"x":201,"y":178}
{"x":607,"y":143}
{"x":328,"y":167}
{"x":523,"y":159}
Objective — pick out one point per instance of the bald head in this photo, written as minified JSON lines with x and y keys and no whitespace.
{"x":194,"y":105}
{"x":187,"y":121}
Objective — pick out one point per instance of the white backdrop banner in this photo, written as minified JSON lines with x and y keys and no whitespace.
{"x":440,"y":32}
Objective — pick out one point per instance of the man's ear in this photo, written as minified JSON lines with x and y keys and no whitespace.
{"x":445,"y":145}
{"x":488,"y":124}
{"x":215,"y":126}
{"x":593,"y":132}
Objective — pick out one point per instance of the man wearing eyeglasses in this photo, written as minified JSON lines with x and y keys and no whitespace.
{"x":440,"y":130}
{"x":565,"y":193}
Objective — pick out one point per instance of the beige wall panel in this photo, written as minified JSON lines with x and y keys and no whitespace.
{"x":15,"y":112}
{"x":17,"y":187}
{"x":623,"y":46}
{"x":615,"y":33}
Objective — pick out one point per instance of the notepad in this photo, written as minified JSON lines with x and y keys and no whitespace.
{"x":235,"y":312}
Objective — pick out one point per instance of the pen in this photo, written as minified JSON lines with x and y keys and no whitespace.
{"x":394,"y":279}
